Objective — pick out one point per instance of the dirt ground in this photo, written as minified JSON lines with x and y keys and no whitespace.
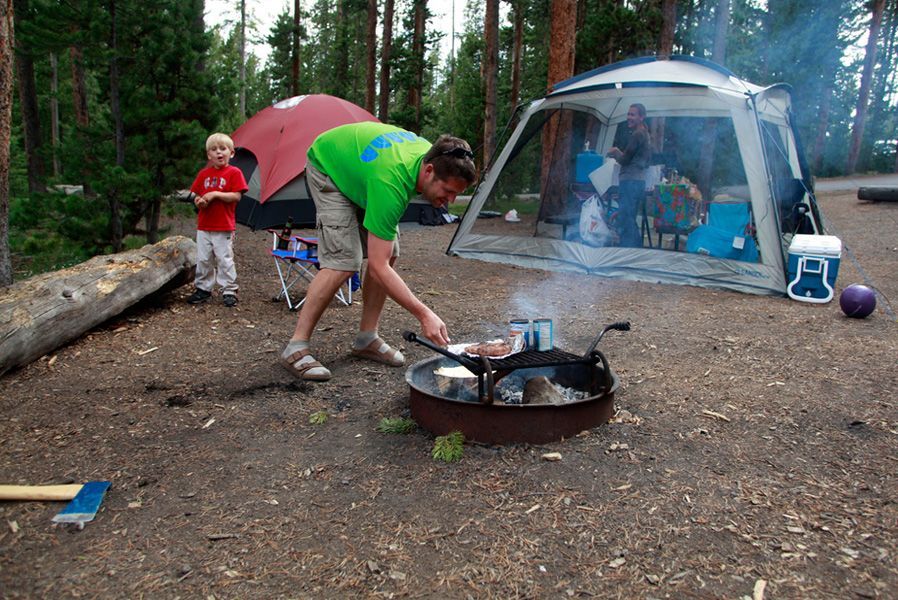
{"x":753,"y":455}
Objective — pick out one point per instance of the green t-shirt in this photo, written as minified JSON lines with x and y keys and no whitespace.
{"x":375,"y":166}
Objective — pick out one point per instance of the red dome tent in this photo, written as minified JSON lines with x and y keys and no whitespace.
{"x":270,"y":149}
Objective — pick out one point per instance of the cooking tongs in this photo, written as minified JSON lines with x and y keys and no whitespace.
{"x":490,"y":371}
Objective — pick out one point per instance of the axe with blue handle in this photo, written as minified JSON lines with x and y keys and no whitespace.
{"x":85,"y":499}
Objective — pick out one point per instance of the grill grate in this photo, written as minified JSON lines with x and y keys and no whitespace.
{"x":529,"y":359}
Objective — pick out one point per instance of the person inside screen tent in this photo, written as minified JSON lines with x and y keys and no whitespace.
{"x":634,"y":160}
{"x":361,"y":178}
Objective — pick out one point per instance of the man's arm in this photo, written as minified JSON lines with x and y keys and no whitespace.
{"x":379,"y":254}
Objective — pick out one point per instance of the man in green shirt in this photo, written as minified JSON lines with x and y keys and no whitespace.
{"x":361,"y":177}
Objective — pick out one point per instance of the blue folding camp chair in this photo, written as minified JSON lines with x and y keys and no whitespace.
{"x":294,"y":258}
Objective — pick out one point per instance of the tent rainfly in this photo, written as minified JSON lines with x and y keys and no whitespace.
{"x":726,"y":190}
{"x":270,"y":149}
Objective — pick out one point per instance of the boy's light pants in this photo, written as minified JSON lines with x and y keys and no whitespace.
{"x":215,"y":261}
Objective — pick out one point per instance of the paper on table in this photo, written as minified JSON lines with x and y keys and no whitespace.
{"x":605,"y":176}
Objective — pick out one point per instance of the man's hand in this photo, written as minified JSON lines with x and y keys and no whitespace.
{"x":381,"y":271}
{"x":434,"y":329}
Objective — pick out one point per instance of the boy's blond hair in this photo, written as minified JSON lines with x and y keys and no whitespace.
{"x":219,"y":138}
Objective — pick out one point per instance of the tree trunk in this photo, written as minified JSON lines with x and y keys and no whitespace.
{"x":668,"y":26}
{"x":822,"y":126}
{"x":115,"y":107}
{"x":242,"y":67}
{"x":556,"y":158}
{"x":719,"y":50}
{"x":54,"y":112}
{"x":7,"y":43}
{"x":341,"y":70}
{"x":28,"y":102}
{"x":294,"y":77}
{"x":517,"y":49}
{"x":882,"y":85}
{"x":82,"y":115}
{"x":490,"y":77}
{"x":383,"y":110}
{"x":46,"y":311}
{"x":415,"y":92}
{"x":371,"y":48}
{"x":857,"y":130}
{"x":79,"y":90}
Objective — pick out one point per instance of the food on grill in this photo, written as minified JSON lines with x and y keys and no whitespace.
{"x":494,"y":348}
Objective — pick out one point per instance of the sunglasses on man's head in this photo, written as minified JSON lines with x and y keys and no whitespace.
{"x":458,"y":153}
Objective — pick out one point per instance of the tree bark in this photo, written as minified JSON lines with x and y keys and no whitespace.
{"x":883,"y":82}
{"x":556,"y":158}
{"x":857,"y":130}
{"x":294,"y":77}
{"x":822,"y":126}
{"x":54,"y":112}
{"x":721,"y":29}
{"x":46,"y":311}
{"x":79,"y":89}
{"x":115,"y":107}
{"x":668,"y":26}
{"x":371,"y":48}
{"x":490,"y":79}
{"x":383,"y":110}
{"x":82,"y":114}
{"x":415,"y":92}
{"x":28,"y":103}
{"x":517,"y":50}
{"x":7,"y":43}
{"x":242,"y":67}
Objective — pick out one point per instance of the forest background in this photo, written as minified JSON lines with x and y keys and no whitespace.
{"x":118,"y":96}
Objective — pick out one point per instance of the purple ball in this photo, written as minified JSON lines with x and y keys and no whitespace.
{"x":857,"y":301}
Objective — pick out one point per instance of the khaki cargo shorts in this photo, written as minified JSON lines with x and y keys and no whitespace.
{"x":342,"y":241}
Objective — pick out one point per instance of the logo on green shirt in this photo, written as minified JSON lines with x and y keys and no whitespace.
{"x":385,"y":141}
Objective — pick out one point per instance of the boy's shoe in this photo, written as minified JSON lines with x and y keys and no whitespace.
{"x":199,"y":296}
{"x":230,"y":300}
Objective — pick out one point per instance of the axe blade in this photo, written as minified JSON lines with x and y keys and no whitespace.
{"x":84,"y":505}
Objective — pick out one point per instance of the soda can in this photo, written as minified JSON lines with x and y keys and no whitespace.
{"x":520,"y":327}
{"x":542,"y":335}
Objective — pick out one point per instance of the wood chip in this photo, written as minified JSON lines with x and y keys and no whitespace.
{"x":552,"y":456}
{"x":13,"y":526}
{"x":209,"y":422}
{"x":142,"y":352}
{"x":715,"y":415}
{"x":222,"y":536}
{"x":533,"y":508}
{"x":758,"y":592}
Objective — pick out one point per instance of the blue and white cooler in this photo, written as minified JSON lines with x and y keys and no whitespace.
{"x":813,"y":267}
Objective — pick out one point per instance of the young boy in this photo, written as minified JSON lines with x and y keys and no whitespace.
{"x":217,"y":190}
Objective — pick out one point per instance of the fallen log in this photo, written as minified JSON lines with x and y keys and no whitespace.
{"x":878,"y":194}
{"x":46,"y":311}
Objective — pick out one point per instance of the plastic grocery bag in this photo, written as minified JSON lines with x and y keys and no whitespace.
{"x":594,"y":231}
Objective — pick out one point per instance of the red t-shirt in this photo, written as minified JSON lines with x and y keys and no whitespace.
{"x":218,"y":216}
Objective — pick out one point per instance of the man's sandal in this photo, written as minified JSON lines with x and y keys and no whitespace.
{"x":380,"y":351}
{"x":303,"y":366}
